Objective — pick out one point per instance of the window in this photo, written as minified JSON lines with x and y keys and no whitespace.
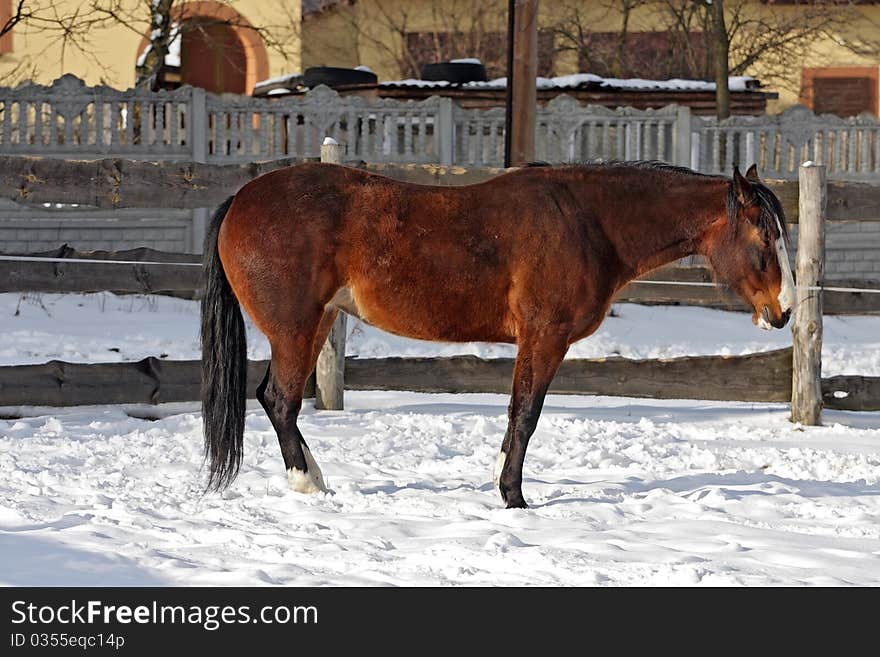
{"x":649,"y":55}
{"x":489,"y":47}
{"x":844,"y":91}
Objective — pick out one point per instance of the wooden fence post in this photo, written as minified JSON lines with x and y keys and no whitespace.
{"x":523,"y":85}
{"x":806,"y":384}
{"x":330,"y":368}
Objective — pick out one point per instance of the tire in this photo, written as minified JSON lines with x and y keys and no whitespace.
{"x":334,"y":76}
{"x":456,"y":72}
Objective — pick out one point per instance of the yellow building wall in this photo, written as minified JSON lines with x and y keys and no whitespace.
{"x":109,"y":54}
{"x":368,"y":32}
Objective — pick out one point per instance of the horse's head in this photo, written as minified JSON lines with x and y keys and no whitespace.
{"x":750,"y":253}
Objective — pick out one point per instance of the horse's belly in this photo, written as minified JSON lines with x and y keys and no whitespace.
{"x":435,"y":315}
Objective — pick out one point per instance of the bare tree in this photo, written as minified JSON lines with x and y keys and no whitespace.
{"x":15,"y":17}
{"x":77,"y":27}
{"x":67,"y":26}
{"x":706,"y":39}
{"x":605,"y":52}
{"x":720,"y":56}
{"x":740,"y":39}
{"x":455,"y":29}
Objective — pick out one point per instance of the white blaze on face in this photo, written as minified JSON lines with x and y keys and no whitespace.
{"x":787,"y":292}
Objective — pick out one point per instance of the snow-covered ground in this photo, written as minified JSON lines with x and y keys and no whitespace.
{"x":622,"y":491}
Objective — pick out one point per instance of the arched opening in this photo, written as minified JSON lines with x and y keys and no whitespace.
{"x":220,"y":50}
{"x":213,"y":57}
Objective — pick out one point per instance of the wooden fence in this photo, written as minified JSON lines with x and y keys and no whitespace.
{"x":122,"y":183}
{"x":761,"y":377}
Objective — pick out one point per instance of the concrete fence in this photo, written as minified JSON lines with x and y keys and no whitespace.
{"x":69,"y":119}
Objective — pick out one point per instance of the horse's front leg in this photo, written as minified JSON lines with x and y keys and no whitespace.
{"x":538,"y":358}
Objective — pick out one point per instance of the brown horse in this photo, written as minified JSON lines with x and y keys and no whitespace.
{"x":532,"y":257}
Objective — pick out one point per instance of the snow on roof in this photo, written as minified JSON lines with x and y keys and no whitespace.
{"x":589,"y":80}
{"x":280,"y":79}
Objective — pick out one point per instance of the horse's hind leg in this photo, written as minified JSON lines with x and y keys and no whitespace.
{"x":537,"y":360}
{"x":281,"y":395}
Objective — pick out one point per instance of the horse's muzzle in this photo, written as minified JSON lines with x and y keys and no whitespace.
{"x":776,"y":323}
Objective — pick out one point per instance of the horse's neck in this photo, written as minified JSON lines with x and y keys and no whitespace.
{"x":664,"y":226}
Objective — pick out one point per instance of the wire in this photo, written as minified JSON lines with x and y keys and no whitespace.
{"x":825,"y":288}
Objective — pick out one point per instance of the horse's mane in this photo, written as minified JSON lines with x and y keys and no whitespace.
{"x":771,"y":218}
{"x":654,"y":165}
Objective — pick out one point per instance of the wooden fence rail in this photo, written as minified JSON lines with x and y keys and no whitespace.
{"x":761,"y":377}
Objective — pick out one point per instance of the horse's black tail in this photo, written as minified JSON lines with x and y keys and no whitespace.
{"x":224,"y":365}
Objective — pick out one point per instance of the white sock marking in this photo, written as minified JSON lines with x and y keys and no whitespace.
{"x":309,"y":482}
{"x":499,"y":468}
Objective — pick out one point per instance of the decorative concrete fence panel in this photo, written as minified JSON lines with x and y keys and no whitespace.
{"x":849,"y":148}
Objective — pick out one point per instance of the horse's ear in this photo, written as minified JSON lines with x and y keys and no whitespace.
{"x":741,"y":187}
{"x":752,"y":173}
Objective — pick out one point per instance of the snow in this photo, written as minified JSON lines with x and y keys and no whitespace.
{"x":277,"y":80}
{"x":174,"y":46}
{"x":466,"y":60}
{"x":623,"y":491}
{"x":172,"y":57}
{"x":109,"y":328}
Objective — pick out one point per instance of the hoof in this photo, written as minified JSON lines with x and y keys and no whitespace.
{"x":513,"y":498}
{"x":309,"y":482}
